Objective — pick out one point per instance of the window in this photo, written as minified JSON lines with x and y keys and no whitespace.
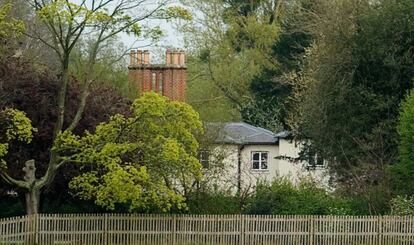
{"x":154,"y":82}
{"x":316,"y":161}
{"x":204,"y":157}
{"x":160,"y":84}
{"x":259,"y":160}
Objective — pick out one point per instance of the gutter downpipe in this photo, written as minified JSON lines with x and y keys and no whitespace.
{"x":239,"y":165}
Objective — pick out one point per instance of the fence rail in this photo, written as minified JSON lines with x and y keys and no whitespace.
{"x":109,"y":229}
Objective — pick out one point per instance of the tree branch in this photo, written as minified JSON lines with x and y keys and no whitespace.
{"x":11,"y":181}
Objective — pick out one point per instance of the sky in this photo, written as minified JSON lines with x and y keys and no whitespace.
{"x":171,"y":39}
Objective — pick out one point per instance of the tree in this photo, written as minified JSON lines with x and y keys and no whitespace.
{"x":348,"y":92}
{"x":403,"y":171}
{"x":15,"y":126}
{"x":231,"y":49}
{"x":110,"y":67}
{"x":272,"y":88}
{"x":204,"y":96}
{"x":32,"y":89}
{"x":10,"y":28}
{"x":66,"y":23}
{"x":147,"y":161}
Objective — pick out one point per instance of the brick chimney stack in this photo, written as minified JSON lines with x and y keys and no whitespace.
{"x":168,"y":79}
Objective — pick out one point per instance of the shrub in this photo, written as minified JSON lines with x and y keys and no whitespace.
{"x":281,"y":196}
{"x":212,"y":202}
{"x":402,"y":205}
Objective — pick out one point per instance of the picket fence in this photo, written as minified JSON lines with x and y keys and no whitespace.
{"x":108,"y":229}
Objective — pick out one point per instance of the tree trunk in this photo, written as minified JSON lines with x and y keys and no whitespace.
{"x":33,"y":192}
{"x":32,"y":201}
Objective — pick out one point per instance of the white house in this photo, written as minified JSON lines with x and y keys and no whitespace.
{"x":250,"y":153}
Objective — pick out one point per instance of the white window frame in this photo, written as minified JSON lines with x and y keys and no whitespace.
{"x":260,"y":161}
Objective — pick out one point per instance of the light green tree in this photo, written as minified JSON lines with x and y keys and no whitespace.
{"x":230,"y":49}
{"x":10,"y":28}
{"x":403,"y":171}
{"x":147,"y":160}
{"x":68,"y":22}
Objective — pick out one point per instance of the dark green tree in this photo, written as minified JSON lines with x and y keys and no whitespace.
{"x":355,"y":75}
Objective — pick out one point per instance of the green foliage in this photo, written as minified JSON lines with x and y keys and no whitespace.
{"x":62,"y":11}
{"x":65,"y":11}
{"x":272,"y":88}
{"x":11,"y":207}
{"x":141,"y":161}
{"x":14,"y":126}
{"x":283,"y":197}
{"x":3,"y":151}
{"x":174,"y":12}
{"x":229,"y":51}
{"x":109,"y":69}
{"x":10,"y":28}
{"x":203,"y":95}
{"x":403,"y":171}
{"x":402,"y":205}
{"x":354,"y":77}
{"x":212,"y":202}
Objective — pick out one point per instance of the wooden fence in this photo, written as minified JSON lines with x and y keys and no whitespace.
{"x":108,"y":229}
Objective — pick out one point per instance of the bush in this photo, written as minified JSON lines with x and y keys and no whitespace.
{"x":401,"y":205}
{"x":11,"y":206}
{"x":306,"y":198}
{"x":212,"y":202}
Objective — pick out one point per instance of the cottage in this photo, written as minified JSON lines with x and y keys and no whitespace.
{"x":250,"y":153}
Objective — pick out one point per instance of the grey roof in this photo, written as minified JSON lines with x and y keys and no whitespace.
{"x":241,"y":133}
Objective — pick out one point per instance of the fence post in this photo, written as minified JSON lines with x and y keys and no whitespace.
{"x":379,"y":220}
{"x":105,"y":235}
{"x":174,"y":229}
{"x":242,"y":229}
{"x":311,"y":230}
{"x":37,"y":228}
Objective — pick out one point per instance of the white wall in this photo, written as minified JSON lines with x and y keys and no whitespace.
{"x":277,"y":167}
{"x":297,"y":169}
{"x":223,"y":167}
{"x":250,"y":176}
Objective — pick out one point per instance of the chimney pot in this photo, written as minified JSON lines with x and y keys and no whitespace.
{"x":146,"y":57}
{"x":168,"y":57}
{"x":176,"y":58}
{"x":138,"y":58}
{"x":182,"y":58}
{"x":132,"y":58}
